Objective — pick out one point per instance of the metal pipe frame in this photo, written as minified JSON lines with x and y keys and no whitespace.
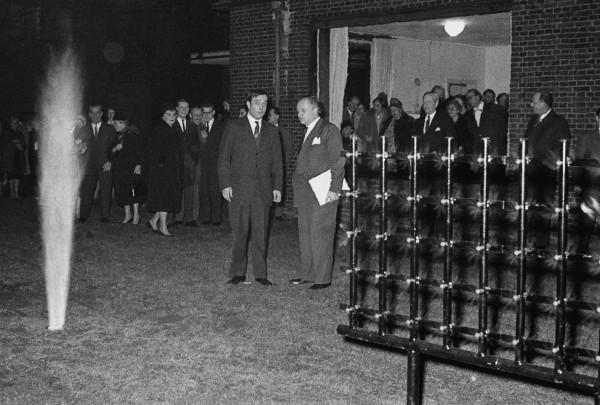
{"x":520,"y":295}
{"x":560,"y":302}
{"x":382,"y":236}
{"x":447,"y":244}
{"x":418,"y":350}
{"x":482,"y":289}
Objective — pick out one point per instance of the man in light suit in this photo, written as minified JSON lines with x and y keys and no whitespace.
{"x":321,"y":151}
{"x":250,"y":177}
{"x":98,"y":138}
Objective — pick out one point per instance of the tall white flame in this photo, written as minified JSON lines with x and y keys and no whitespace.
{"x":60,"y":176}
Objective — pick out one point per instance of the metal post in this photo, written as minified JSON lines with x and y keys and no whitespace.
{"x":520,"y":295}
{"x":447,"y":244}
{"x":381,"y":277}
{"x":482,"y":288}
{"x":353,"y":234}
{"x":413,"y":281}
{"x":560,"y":301}
{"x":414,"y":377}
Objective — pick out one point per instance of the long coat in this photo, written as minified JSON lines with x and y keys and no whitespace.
{"x":124,"y":162}
{"x":164,"y":168}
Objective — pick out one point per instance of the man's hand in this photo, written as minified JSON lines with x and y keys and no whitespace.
{"x":276,"y":196}
{"x":137,"y":169}
{"x":107,"y":167}
{"x":227,"y":193}
{"x":331,"y":196}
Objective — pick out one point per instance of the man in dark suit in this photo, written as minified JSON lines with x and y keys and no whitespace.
{"x":432,"y":129}
{"x":321,"y":151}
{"x":488,"y":120}
{"x":211,"y":132}
{"x":98,"y":138}
{"x":250,"y":177}
{"x":349,"y":114}
{"x":191,"y":145}
{"x":544,"y":133}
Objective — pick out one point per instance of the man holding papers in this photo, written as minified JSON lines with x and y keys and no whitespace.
{"x":317,"y":183}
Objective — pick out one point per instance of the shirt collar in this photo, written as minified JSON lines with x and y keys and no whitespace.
{"x":545,"y":114}
{"x":431,"y":115}
{"x":310,"y":127}
{"x":252,"y":122}
{"x":479,"y":107}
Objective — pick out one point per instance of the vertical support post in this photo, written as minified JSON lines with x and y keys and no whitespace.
{"x":560,"y":302}
{"x":482,"y":288}
{"x":413,"y":281}
{"x":353,"y":294}
{"x":382,"y":237}
{"x":520,"y":296}
{"x":447,"y":244}
{"x":415,"y":363}
{"x":414,"y":376}
{"x":597,"y":385}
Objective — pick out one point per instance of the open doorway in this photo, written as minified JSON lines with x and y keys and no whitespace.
{"x":405,"y":59}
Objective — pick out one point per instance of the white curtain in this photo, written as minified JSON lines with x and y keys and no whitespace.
{"x":338,"y":73}
{"x":382,"y":67}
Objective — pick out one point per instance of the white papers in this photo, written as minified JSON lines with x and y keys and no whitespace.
{"x":320,"y":186}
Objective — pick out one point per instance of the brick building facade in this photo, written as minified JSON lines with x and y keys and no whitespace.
{"x":555,"y":47}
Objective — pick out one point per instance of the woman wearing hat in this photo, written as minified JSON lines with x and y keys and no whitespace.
{"x":127,"y":158}
{"x":164,"y":153}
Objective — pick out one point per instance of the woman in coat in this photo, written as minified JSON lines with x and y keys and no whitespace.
{"x":164,"y":154}
{"x":127,"y":159}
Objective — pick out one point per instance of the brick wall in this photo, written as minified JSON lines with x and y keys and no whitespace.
{"x":555,"y":47}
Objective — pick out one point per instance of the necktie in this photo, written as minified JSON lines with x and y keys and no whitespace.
{"x":95,"y":130}
{"x":182,"y":124}
{"x":427,"y":122}
{"x":256,"y":129}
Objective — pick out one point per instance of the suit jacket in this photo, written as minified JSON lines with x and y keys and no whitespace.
{"x":209,"y":147}
{"x":347,"y":117}
{"x":544,"y":137}
{"x":252,"y":169}
{"x":315,"y":158}
{"x":440,"y":127}
{"x":99,"y":147}
{"x":492,"y":125}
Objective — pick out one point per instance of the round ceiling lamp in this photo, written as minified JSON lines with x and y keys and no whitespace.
{"x":454,"y":28}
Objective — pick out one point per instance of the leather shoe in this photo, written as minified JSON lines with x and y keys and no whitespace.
{"x":263,"y":281}
{"x":235,"y":280}
{"x":319,"y":286}
{"x":298,"y":281}
{"x":104,"y":219}
{"x":193,"y":224}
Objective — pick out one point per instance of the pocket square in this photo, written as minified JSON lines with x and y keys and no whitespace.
{"x":316,"y":141}
{"x":438,"y":129}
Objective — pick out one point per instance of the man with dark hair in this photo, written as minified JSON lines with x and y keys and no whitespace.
{"x":321,"y":153}
{"x":98,"y":137}
{"x":211,"y":132}
{"x":250,"y":178}
{"x":191,"y":145}
{"x":489,"y":96}
{"x":502,"y":101}
{"x":349,"y":114}
{"x":486,"y":120}
{"x":401,"y":126}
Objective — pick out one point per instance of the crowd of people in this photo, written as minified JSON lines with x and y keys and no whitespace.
{"x":194,"y":161}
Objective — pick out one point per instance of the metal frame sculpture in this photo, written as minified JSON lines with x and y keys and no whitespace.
{"x":419,"y":348}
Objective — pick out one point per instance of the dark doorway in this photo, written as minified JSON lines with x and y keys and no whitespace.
{"x":359,"y":71}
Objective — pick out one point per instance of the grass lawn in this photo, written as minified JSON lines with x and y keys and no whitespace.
{"x":150,"y":321}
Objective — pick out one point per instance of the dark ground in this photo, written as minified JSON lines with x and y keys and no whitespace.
{"x":150,"y":321}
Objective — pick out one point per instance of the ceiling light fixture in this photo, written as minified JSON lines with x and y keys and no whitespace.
{"x":454,"y":27}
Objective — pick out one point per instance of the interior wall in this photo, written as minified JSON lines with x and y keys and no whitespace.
{"x":497,"y":69}
{"x":419,"y":65}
